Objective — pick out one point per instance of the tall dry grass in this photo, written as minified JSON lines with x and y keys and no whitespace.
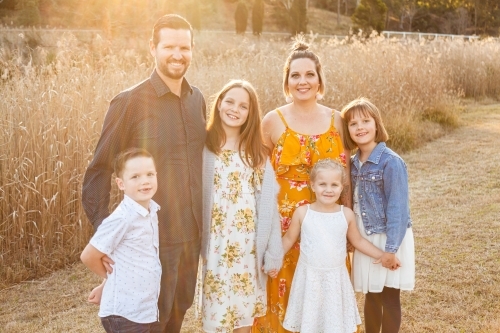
{"x":54,"y":94}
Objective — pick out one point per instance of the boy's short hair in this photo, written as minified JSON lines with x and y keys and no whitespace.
{"x":364,"y":107}
{"x":171,"y":21}
{"x":128,"y":154}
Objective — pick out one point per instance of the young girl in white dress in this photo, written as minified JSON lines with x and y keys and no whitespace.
{"x":241,"y":241}
{"x":381,"y":206}
{"x":321,"y":296}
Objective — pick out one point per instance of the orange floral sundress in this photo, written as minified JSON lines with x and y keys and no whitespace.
{"x":292,"y":158}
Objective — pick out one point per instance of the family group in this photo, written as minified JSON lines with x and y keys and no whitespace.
{"x":269,"y":208}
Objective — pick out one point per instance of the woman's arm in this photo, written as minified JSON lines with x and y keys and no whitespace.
{"x":272,"y":127}
{"x":346,"y":196}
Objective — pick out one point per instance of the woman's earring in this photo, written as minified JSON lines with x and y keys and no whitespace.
{"x":289,"y":99}
{"x":319,"y":97}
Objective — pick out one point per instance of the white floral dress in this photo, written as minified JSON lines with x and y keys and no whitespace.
{"x":231,"y":295}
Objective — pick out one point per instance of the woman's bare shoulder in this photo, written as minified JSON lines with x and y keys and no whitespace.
{"x":272,"y":120}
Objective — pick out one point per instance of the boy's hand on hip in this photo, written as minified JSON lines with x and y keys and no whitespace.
{"x":107,"y":262}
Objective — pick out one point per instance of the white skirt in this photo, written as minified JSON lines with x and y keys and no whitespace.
{"x":369,"y":277}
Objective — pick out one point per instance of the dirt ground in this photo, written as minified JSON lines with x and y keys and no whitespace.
{"x":455,"y":201}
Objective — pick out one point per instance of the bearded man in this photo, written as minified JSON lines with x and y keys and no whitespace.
{"x":165,"y":115}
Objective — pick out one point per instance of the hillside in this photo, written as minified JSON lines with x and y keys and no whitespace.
{"x":319,"y":20}
{"x":135,"y":16}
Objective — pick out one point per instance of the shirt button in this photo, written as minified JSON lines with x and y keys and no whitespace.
{"x":373,"y":177}
{"x":363,"y":214}
{"x":368,"y":232}
{"x":360,"y":196}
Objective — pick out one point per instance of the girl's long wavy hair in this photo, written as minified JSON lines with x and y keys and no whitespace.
{"x":251,"y":148}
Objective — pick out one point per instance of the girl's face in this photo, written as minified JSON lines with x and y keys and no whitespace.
{"x":234,"y":108}
{"x":362,"y":129}
{"x":303,"y":80}
{"x":327,"y":186}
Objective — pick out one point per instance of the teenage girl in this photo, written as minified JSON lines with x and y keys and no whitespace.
{"x":241,"y":241}
{"x":381,"y":206}
{"x":321,"y":297}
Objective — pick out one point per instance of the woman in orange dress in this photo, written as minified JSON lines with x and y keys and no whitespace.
{"x":300,"y":133}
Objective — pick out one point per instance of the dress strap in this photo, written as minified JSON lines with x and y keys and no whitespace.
{"x":332,"y":123}
{"x":282,"y":118}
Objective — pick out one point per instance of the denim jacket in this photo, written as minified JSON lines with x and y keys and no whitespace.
{"x":383,"y":194}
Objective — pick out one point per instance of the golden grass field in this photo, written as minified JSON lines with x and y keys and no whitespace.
{"x":55,"y":90}
{"x":455,"y":203}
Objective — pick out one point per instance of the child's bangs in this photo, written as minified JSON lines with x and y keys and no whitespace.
{"x":362,"y":111}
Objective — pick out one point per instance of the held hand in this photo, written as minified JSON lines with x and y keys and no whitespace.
{"x":273,"y":273}
{"x":96,"y":294}
{"x":396,"y":266}
{"x":107,"y":262}
{"x":392,"y":268}
{"x":389,"y":260}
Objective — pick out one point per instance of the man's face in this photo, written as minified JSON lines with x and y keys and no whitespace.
{"x":173,"y":53}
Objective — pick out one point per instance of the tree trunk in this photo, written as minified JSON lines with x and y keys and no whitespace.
{"x":338,"y":12}
{"x":475,"y":16}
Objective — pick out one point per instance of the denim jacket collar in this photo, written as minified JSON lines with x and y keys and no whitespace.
{"x":374,"y":157}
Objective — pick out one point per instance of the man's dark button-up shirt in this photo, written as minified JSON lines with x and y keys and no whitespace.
{"x":172,"y":129}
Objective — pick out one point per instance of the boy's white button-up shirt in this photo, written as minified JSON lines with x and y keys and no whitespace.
{"x":129,"y":236}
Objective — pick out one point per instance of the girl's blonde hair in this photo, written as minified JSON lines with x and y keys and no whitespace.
{"x":364,"y":107}
{"x":300,"y":50}
{"x":330,"y":164}
{"x":252,"y":149}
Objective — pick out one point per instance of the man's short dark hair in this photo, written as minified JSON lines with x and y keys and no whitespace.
{"x":171,"y":21}
{"x":128,"y":154}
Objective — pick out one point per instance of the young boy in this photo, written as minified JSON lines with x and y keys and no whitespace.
{"x":129,"y":236}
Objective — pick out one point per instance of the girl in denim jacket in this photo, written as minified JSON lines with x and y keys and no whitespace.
{"x":381,"y":206}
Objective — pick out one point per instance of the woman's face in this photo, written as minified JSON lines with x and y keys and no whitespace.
{"x":234,"y":108}
{"x":303,"y":79}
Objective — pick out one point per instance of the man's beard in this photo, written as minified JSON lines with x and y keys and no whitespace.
{"x":179,"y":74}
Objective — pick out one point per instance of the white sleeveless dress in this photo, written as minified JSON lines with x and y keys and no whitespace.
{"x":321,"y":296}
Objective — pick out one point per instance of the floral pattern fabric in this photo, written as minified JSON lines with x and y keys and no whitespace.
{"x":293,"y":157}
{"x":231,"y":294}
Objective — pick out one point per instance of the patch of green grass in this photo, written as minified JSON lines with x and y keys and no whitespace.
{"x":444,"y":115}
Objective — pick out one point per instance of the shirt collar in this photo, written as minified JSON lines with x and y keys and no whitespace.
{"x":161,"y":88}
{"x":132,"y":205}
{"x":375,"y":155}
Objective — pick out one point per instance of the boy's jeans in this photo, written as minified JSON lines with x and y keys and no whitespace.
{"x":117,"y":324}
